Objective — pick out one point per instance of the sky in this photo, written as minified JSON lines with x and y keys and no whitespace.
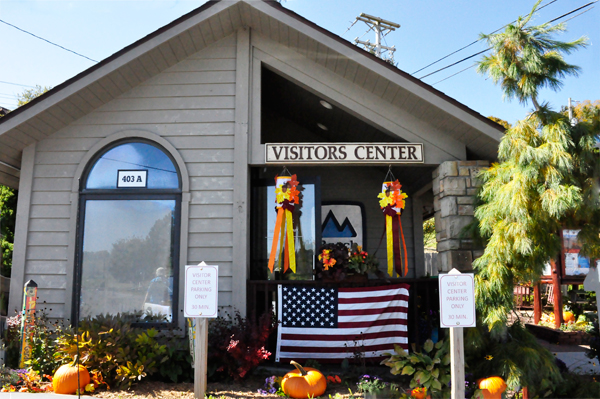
{"x":430,"y":29}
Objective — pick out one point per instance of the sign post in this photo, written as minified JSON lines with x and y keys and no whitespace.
{"x":200,"y":302}
{"x":457,"y":310}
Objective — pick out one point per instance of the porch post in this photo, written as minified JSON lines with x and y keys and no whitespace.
{"x":454,"y":187}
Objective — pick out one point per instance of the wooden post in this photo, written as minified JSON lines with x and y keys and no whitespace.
{"x":558,"y":314}
{"x":457,"y":362}
{"x":200,"y":357}
{"x":537,"y":303}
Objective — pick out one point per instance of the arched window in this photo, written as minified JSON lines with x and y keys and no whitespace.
{"x":129,"y":218}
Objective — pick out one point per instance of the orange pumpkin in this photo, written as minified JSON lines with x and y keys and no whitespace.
{"x":492,"y":387}
{"x":419,"y":393}
{"x":304,"y":382}
{"x":568,"y":317}
{"x":65,"y":378}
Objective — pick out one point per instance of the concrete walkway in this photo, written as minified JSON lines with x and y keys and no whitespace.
{"x":574,"y":357}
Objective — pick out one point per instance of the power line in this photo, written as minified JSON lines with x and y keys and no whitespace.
{"x":48,"y":41}
{"x":476,"y":54}
{"x":571,"y":12}
{"x":472,"y":43}
{"x":457,"y":62}
{"x":16,"y":84}
{"x":454,"y":74}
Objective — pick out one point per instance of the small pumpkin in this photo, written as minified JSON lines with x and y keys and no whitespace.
{"x":304,"y":382}
{"x":492,"y":387}
{"x":65,"y":378}
{"x":419,"y":393}
{"x":568,"y":317}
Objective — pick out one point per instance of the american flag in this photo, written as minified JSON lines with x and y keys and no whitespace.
{"x":336,"y":323}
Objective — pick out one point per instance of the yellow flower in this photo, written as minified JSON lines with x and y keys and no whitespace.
{"x":386,"y":199}
{"x":489,"y":357}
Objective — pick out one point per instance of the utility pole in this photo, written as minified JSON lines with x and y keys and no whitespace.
{"x":572,"y":120}
{"x":381,"y":28}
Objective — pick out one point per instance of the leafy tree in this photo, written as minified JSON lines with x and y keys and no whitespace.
{"x":545,"y":177}
{"x":8,"y":215}
{"x":526,"y":59}
{"x":30,"y":94}
{"x":545,"y":180}
{"x":502,"y":122}
{"x":429,"y":233}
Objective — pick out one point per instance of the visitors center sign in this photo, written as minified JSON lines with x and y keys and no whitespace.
{"x":385,"y":153}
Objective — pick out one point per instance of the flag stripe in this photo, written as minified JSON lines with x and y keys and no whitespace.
{"x":384,"y":298}
{"x":374,"y":305}
{"x":292,"y":339}
{"x":329,"y":323}
{"x":366,"y":349}
{"x":322,"y":332}
{"x":373,"y":311}
{"x":287,"y":356}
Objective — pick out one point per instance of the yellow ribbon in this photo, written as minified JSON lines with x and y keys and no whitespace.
{"x":290,"y":240}
{"x":390,"y":244}
{"x":275,"y":234}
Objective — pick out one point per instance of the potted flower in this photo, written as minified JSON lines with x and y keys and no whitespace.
{"x":360,"y":262}
{"x":338,"y":262}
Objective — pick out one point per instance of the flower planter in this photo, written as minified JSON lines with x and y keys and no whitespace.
{"x":559,"y":337}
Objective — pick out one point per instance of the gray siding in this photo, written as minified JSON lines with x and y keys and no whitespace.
{"x":191,"y":105}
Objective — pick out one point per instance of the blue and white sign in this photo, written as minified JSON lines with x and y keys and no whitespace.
{"x":342,"y":223}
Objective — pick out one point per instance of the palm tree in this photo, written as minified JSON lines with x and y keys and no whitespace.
{"x":527,"y":59}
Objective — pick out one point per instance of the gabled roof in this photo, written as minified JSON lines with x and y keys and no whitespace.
{"x":207,"y":24}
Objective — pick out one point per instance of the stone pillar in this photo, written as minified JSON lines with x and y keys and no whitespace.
{"x":454,"y":188}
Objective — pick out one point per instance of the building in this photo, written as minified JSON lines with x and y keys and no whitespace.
{"x":162,"y":154}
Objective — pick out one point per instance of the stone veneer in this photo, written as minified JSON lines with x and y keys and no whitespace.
{"x":454,"y":187}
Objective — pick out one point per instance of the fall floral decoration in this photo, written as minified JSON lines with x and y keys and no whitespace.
{"x":286,"y":198}
{"x":326,"y":258}
{"x":392,"y":202}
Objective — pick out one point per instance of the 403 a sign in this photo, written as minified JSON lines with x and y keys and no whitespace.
{"x":132,"y":179}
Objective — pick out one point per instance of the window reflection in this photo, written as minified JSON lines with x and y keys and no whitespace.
{"x":265,"y":215}
{"x":127,"y":262}
{"x":133,"y":156}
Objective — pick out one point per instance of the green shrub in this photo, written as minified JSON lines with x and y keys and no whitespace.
{"x":124,"y":354}
{"x":429,"y":367}
{"x":517,"y":357}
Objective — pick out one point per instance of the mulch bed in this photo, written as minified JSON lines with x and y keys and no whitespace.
{"x":247,"y":388}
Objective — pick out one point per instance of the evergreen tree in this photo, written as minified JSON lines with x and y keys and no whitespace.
{"x":544,"y":180}
{"x":526,"y":59}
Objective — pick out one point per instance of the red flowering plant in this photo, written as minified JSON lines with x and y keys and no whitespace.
{"x":336,"y":260}
{"x":361,"y":262}
{"x":236,"y":345}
